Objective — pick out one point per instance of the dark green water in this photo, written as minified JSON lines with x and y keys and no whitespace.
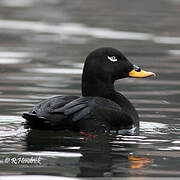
{"x":43,"y":44}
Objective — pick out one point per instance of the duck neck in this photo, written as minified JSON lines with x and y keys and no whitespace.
{"x":93,"y":86}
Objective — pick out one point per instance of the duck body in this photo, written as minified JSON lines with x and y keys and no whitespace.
{"x":100,"y":108}
{"x":92,"y":114}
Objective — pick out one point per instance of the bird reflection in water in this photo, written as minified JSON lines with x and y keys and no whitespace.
{"x":98,"y":156}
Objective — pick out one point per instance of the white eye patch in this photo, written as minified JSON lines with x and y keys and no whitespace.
{"x":112,"y":58}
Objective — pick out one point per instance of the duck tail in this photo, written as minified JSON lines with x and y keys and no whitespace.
{"x":33,"y":121}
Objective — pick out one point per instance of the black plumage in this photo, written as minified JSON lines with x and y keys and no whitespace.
{"x":100,"y":108}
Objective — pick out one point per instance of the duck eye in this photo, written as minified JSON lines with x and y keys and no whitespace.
{"x":112,"y":58}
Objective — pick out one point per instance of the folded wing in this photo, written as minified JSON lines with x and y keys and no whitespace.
{"x":78,"y":113}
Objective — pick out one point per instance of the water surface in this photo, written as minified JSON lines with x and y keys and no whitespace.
{"x":42,"y":50}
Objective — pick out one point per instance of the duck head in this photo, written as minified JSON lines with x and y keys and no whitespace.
{"x":105,"y":65}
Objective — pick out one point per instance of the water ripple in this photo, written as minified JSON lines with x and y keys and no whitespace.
{"x":55,"y":70}
{"x":80,"y":29}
